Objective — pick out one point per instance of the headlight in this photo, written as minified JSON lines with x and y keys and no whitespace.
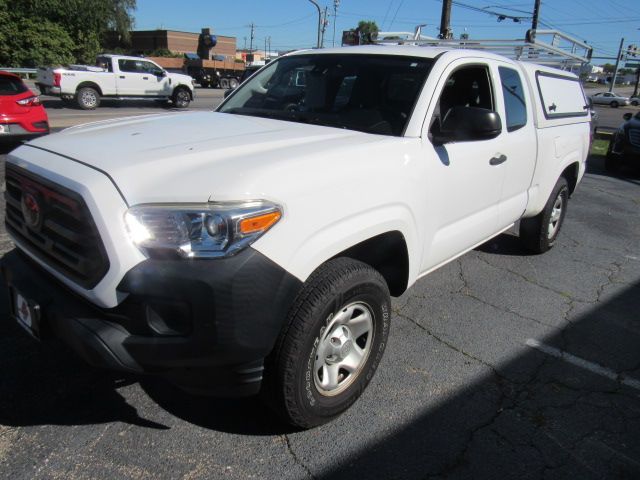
{"x":209,"y":230}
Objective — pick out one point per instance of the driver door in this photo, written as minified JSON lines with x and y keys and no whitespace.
{"x":467,"y":177}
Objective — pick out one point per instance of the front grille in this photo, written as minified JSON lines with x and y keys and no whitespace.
{"x":55,"y":225}
{"x":634,"y":137}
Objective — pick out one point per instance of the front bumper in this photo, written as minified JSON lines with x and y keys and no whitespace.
{"x":185,"y":320}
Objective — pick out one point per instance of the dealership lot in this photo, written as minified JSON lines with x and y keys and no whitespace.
{"x":499,"y":365}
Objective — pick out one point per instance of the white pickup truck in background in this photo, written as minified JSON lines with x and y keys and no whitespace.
{"x":118,"y":77}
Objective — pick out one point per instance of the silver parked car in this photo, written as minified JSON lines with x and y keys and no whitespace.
{"x":635,"y":101}
{"x":610,"y":98}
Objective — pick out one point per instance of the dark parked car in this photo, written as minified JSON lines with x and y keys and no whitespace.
{"x":625,"y":144}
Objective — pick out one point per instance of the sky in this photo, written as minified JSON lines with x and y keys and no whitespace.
{"x":292,"y":24}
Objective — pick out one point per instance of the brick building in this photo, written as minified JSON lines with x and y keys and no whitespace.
{"x":146,"y":41}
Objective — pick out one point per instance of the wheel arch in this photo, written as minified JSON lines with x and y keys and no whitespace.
{"x":388,"y":254}
{"x":89,"y":84}
{"x":182,"y":87}
{"x":570,"y":173}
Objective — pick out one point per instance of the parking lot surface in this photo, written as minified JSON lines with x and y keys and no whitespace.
{"x":499,"y":365}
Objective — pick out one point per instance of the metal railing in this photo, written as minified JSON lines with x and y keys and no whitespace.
{"x":545,"y":47}
{"x":30,"y":71}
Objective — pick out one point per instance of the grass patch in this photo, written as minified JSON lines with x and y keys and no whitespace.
{"x":599,"y":147}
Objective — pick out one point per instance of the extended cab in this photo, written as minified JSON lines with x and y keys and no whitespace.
{"x":255,"y":248}
{"x":117,"y":77}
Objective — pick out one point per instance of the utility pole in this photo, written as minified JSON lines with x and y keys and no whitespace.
{"x":325,"y":22}
{"x":336,"y":4}
{"x":319,"y":20}
{"x":245,"y":43}
{"x":536,"y":14}
{"x":445,"y":19}
{"x":615,"y":72}
{"x":252,"y":32}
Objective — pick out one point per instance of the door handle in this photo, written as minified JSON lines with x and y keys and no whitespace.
{"x":121,"y":76}
{"x":145,"y":78}
{"x":497,"y":160}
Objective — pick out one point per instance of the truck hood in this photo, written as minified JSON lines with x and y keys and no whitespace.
{"x":200,"y":156}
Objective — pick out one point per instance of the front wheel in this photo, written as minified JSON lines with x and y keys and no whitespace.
{"x":333,"y":341}
{"x":634,"y":103}
{"x":614,"y":104}
{"x":539,"y":233}
{"x":181,"y":98}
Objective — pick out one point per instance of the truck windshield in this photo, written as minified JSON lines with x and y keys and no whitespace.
{"x":369,"y":93}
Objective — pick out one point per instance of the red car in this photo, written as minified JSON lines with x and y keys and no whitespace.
{"x":22,"y":115}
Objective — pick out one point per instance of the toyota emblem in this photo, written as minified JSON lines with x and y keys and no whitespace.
{"x":31,"y":210}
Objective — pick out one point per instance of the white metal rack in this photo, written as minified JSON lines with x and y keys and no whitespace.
{"x":545,"y":47}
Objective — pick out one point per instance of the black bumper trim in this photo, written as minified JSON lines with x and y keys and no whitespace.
{"x":237,"y":307}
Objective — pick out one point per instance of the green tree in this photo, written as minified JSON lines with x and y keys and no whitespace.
{"x":33,"y":43}
{"x":368,"y":27}
{"x":86,"y":23}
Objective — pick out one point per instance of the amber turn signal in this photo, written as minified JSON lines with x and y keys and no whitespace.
{"x":259,"y":223}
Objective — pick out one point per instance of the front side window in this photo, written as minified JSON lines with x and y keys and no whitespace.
{"x":369,"y":93}
{"x":514,"y":102}
{"x":137,"y":66}
{"x":468,"y":86}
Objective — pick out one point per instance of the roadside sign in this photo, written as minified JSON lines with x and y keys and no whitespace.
{"x":634,"y":64}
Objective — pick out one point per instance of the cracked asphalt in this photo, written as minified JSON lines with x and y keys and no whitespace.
{"x":499,"y":365}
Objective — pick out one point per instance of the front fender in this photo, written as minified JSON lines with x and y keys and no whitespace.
{"x":300,"y":253}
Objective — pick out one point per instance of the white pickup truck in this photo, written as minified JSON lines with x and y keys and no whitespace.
{"x":254,"y":249}
{"x":117,"y":77}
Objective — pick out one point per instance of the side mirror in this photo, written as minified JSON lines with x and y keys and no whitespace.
{"x":627,"y":116}
{"x":228,"y":92}
{"x":161,"y":73}
{"x":465,"y":124}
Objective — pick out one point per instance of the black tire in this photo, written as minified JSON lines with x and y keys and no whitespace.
{"x":614,"y":104}
{"x":181,"y":98}
{"x":87,"y":98}
{"x":634,"y":103}
{"x":538,"y":234}
{"x":224,"y":83}
{"x":338,"y":292}
{"x":233,"y":83}
{"x":611,"y":163}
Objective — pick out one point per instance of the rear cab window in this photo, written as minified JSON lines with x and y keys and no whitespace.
{"x":561,"y":96}
{"x":11,"y":86}
{"x":514,"y":98}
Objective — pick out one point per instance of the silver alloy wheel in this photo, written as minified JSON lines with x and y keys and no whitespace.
{"x":343,"y":348}
{"x":89,"y":98}
{"x":182,"y":99}
{"x":556,"y":215}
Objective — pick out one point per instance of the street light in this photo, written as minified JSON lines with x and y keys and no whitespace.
{"x":319,"y":21}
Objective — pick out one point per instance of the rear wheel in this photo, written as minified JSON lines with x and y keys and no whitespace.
{"x":224,"y":83}
{"x":634,"y":103}
{"x":88,"y":98}
{"x":540,"y":233}
{"x":334,"y":339}
{"x":233,"y":83}
{"x":614,"y":104}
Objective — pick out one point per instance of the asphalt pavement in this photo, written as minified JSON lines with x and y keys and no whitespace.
{"x":499,"y":365}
